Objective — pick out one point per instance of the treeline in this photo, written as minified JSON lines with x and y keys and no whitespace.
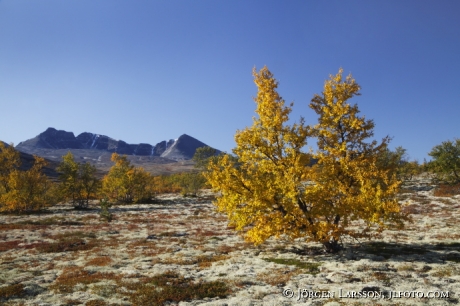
{"x":444,"y":166}
{"x":31,"y":190}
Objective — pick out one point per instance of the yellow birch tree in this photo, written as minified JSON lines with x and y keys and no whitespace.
{"x":349,"y":181}
{"x":126,"y":183}
{"x":27,"y":190}
{"x":270,"y":188}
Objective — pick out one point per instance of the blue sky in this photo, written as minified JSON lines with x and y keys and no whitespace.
{"x":145,"y":71}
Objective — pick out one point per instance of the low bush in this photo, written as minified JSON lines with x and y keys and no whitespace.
{"x":72,"y":276}
{"x":445,"y":190}
{"x":12,"y":291}
{"x":172,"y":287}
{"x":65,"y":245}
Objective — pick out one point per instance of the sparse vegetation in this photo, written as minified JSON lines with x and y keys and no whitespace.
{"x":172,"y":287}
{"x":11,"y":291}
{"x":69,"y":279}
{"x":101,"y":262}
{"x":309,"y":267}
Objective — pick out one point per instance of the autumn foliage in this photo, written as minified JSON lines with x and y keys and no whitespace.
{"x":126,"y":183}
{"x":79,"y":183}
{"x":269,"y":187}
{"x":22,"y":191}
{"x":446,"y":162}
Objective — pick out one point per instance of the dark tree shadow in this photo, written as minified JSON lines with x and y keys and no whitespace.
{"x":383,"y":251}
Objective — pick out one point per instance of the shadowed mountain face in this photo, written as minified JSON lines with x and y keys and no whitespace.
{"x":52,"y":140}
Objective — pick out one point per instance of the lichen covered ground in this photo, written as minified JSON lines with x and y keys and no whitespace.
{"x":180,"y":251}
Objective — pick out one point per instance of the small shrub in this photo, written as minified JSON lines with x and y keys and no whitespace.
{"x":172,"y":287}
{"x":190,"y":183}
{"x":11,"y":291}
{"x":96,"y":303}
{"x":100,"y":261}
{"x":64,"y":245}
{"x":106,"y":290}
{"x":105,"y":214}
{"x":9,"y":245}
{"x":72,"y":276}
{"x":445,"y":190}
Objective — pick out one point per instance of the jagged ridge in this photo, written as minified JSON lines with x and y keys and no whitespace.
{"x":182,"y":148}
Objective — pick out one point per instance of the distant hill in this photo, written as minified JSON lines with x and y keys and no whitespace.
{"x":164,"y":157}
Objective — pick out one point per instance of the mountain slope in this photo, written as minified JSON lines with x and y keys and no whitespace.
{"x":183,"y":148}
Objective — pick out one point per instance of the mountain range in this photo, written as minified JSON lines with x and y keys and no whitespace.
{"x":169,"y":156}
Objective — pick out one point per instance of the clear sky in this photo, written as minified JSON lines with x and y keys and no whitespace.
{"x":146,"y":71}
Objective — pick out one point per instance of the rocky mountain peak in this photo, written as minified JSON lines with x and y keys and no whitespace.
{"x":53,"y":139}
{"x":182,"y":148}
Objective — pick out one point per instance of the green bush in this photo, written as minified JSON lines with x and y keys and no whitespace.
{"x":446,"y":162}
